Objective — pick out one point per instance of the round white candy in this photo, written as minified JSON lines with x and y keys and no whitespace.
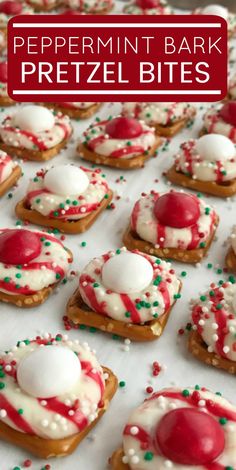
{"x":66,"y":180}
{"x":127,"y":273}
{"x":48,"y":371}
{"x":34,"y":118}
{"x":215,"y":9}
{"x":214,"y":147}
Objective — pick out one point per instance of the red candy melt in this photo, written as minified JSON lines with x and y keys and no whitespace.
{"x":177,"y":210}
{"x":148,"y":3}
{"x":3,"y":72}
{"x":19,"y":246}
{"x":228,"y":113}
{"x":9,"y":7}
{"x":188,"y":436}
{"x":124,"y":128}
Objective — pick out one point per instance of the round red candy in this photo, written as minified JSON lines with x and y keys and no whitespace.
{"x":123,"y":128}
{"x":148,"y":3}
{"x":3,"y":72}
{"x":9,"y":7}
{"x":188,"y":436}
{"x":19,"y":246}
{"x":177,"y":210}
{"x":228,"y":113}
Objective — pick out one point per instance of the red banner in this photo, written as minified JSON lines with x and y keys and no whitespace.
{"x":117,"y":58}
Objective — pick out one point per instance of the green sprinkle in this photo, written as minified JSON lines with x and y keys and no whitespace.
{"x":155,"y":315}
{"x":42,"y":239}
{"x":38,"y":201}
{"x":122,"y":384}
{"x":219,"y":271}
{"x":157,"y":281}
{"x":219,"y":307}
{"x":58,"y":276}
{"x":177,"y":296}
{"x":155,"y":304}
{"x":106,"y":196}
{"x":118,"y":252}
{"x":67,"y":201}
{"x":75,"y":203}
{"x":35,"y":179}
{"x":20,"y":411}
{"x":232,"y":279}
{"x":127,"y":314}
{"x":197,"y":387}
{"x":95,"y":284}
{"x":2,"y":385}
{"x":209,"y":266}
{"x":183,"y":274}
{"x":207,"y":210}
{"x":148,"y":456}
{"x":212,"y":293}
{"x":7,"y":279}
{"x":223,"y":421}
{"x":2,"y":374}
{"x":82,"y":327}
{"x":185,"y":393}
{"x":92,"y":329}
{"x":158,"y":261}
{"x":18,"y":275}
{"x":47,"y":243}
{"x":83,"y":244}
{"x":202,"y":245}
{"x":203,"y":298}
{"x":58,"y":338}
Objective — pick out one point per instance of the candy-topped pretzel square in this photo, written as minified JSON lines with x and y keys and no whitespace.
{"x":53,"y":392}
{"x":174,"y":225}
{"x":66,"y":198}
{"x":207,"y":164}
{"x":119,"y":142}
{"x":125,"y":293}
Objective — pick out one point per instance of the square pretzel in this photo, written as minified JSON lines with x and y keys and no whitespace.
{"x":132,"y":241}
{"x":47,"y":448}
{"x":68,"y":226}
{"x":123,"y":163}
{"x":80,"y":314}
{"x":226,"y":189}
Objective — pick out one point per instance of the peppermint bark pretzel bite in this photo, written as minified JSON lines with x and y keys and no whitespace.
{"x":53,"y":392}
{"x":125,"y":293}
{"x":219,"y":10}
{"x":207,"y":164}
{"x":212,"y":339}
{"x":119,"y":142}
{"x":44,"y":5}
{"x":173,"y":225}
{"x":10,"y":8}
{"x":179,"y":429}
{"x":75,"y":110}
{"x":35,"y":133}
{"x":10,"y":172}
{"x":5,"y":100}
{"x":31,"y":266}
{"x":221,"y":121}
{"x":65,"y":197}
{"x":148,"y":7}
{"x":100,"y":7}
{"x":167,"y":118}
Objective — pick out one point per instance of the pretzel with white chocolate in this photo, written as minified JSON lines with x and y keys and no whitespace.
{"x":119,"y":142}
{"x":65,"y":197}
{"x":53,"y":391}
{"x":174,"y":225}
{"x":179,"y":429}
{"x":207,"y":164}
{"x":135,"y":305}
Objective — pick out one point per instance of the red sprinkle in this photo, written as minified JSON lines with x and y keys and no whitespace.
{"x":149,"y":390}
{"x":181,"y":331}
{"x":27,"y":463}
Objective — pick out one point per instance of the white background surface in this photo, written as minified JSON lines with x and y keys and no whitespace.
{"x":134,"y":366}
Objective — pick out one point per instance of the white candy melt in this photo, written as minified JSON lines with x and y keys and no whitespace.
{"x":34,"y":118}
{"x":215,"y":147}
{"x":127,"y":272}
{"x":48,"y":371}
{"x":66,"y":180}
{"x":216,"y":9}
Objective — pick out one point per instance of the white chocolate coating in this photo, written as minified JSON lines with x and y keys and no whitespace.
{"x":214,"y":316}
{"x":138,"y":307}
{"x":148,"y":415}
{"x":213,"y":123}
{"x":189,"y":161}
{"x":71,"y":206}
{"x":101,"y":143}
{"x":7,"y":166}
{"x":145,"y":224}
{"x":67,"y":413}
{"x":164,"y":114}
{"x":48,"y":268}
